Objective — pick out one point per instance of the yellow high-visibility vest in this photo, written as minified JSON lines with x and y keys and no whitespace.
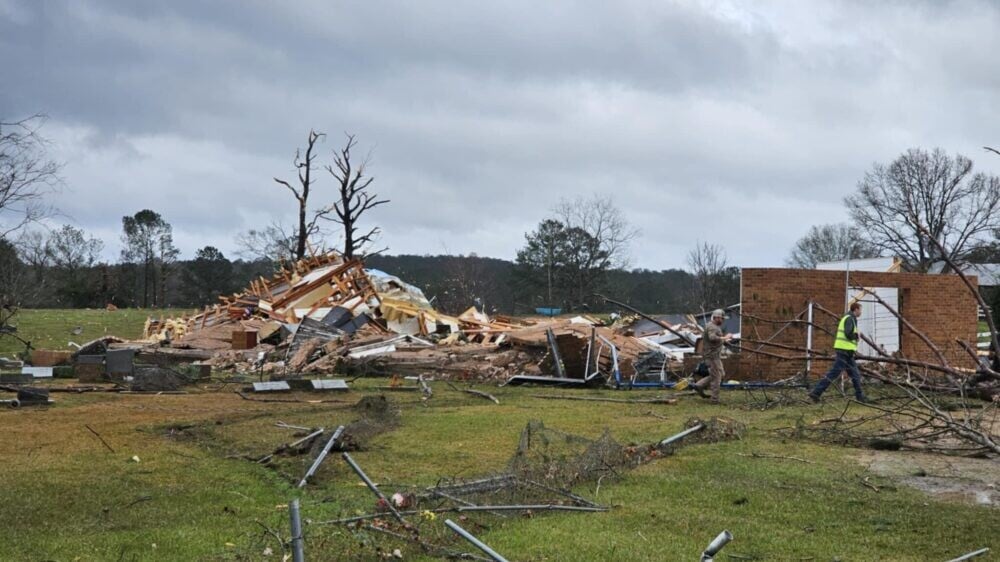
{"x":842,"y":343}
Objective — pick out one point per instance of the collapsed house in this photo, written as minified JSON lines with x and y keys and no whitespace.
{"x":324,"y":314}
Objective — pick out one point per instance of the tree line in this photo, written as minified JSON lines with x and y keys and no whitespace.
{"x":581,"y":249}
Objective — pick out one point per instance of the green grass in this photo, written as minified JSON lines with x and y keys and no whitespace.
{"x":66,"y":497}
{"x":53,"y":328}
{"x":194,"y":496}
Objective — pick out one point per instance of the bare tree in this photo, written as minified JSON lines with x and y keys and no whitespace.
{"x":707,"y":262}
{"x":830,"y":242}
{"x":599,"y":217}
{"x":27,"y":174}
{"x":273,"y":242}
{"x":960,"y":209}
{"x":307,"y":226}
{"x":355,"y":199}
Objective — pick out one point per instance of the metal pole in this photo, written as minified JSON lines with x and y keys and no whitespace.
{"x":298,"y":552}
{"x":970,"y":555}
{"x":371,"y":486}
{"x":478,"y":543}
{"x":847,"y":279}
{"x":682,"y":435}
{"x":322,"y":455}
{"x":716,"y":545}
{"x":809,"y":341}
{"x":556,"y":359}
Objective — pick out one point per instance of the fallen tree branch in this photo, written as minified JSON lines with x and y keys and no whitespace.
{"x":756,"y":455}
{"x":98,"y":435}
{"x":616,"y":400}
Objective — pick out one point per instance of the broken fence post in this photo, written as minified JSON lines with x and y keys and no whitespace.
{"x":716,"y":545}
{"x":424,"y":387}
{"x":682,"y":435}
{"x":478,"y":543}
{"x":970,"y":555}
{"x":371,"y":486}
{"x":321,"y":456}
{"x":298,"y":550}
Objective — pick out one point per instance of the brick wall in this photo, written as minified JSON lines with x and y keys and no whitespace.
{"x":938,"y":305}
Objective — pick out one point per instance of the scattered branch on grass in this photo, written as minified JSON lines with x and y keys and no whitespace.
{"x":616,"y":400}
{"x":756,"y":455}
{"x":138,"y":500}
{"x":98,"y":435}
{"x":473,"y":392}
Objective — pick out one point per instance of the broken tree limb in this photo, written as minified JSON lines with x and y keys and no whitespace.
{"x":322,"y":455}
{"x":663,"y":325}
{"x":994,"y":336}
{"x":756,"y":455}
{"x":475,"y":542}
{"x":371,"y":486}
{"x":923,"y":337}
{"x":482,"y":394}
{"x":464,"y":508}
{"x":479,"y":393}
{"x":98,"y":435}
{"x":616,"y":400}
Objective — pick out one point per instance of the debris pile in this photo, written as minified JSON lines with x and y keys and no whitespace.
{"x":324,"y":314}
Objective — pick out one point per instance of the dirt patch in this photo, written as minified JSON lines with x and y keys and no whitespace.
{"x":972,"y":481}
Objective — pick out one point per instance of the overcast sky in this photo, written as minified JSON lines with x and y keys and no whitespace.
{"x":737,"y":123}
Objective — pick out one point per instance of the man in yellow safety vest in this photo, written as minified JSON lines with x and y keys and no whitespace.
{"x":845,"y":345}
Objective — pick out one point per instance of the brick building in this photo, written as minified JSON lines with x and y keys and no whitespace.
{"x":938,"y":305}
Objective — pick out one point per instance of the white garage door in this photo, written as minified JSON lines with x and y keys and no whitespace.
{"x":876,"y":321}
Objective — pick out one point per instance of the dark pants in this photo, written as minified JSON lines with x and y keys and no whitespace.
{"x":844,"y":361}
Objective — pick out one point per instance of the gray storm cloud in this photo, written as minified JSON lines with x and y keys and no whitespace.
{"x":713,"y":120}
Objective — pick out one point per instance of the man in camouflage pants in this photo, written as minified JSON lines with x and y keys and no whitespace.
{"x":714,"y":340}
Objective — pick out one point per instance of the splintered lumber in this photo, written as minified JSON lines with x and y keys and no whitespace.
{"x":618,"y":400}
{"x":322,"y":455}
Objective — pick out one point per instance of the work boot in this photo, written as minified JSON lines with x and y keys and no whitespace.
{"x":814,"y":398}
{"x":699,"y":390}
{"x":863,"y":400}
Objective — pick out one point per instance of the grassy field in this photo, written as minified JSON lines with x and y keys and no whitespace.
{"x":192,"y":495}
{"x":53,"y":328}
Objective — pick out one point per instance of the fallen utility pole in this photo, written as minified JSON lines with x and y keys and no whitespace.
{"x":322,"y":455}
{"x":970,"y":555}
{"x":371,"y":486}
{"x":298,"y":549}
{"x":663,"y":325}
{"x":476,"y":542}
{"x":675,"y":438}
